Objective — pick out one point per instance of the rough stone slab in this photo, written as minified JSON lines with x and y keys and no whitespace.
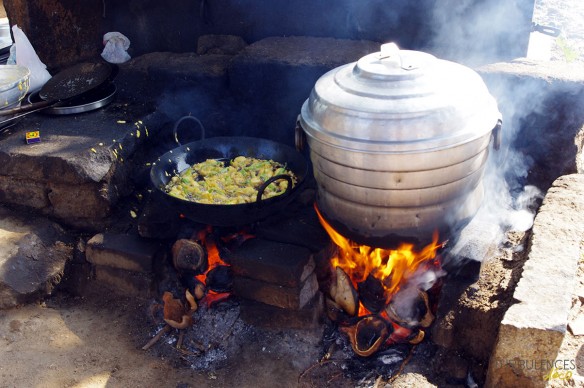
{"x":33,"y":255}
{"x":542,"y":106}
{"x":272,"y":262}
{"x":80,"y":168}
{"x":127,"y":252}
{"x":220,"y":44}
{"x":307,"y":51}
{"x":293,"y":298}
{"x":546,"y":71}
{"x":272,"y":317}
{"x":533,"y":328}
{"x":127,"y":283}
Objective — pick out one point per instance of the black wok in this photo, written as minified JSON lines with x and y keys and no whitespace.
{"x":178,"y":159}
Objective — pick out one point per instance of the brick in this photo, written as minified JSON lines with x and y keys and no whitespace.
{"x":271,"y":262}
{"x":126,"y":252}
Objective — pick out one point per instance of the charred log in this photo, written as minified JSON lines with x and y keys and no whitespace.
{"x":367,"y":335}
{"x":372,"y":294}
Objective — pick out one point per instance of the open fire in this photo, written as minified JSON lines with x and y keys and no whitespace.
{"x":381,"y":296}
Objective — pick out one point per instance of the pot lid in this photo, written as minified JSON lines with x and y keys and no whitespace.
{"x":399,"y":100}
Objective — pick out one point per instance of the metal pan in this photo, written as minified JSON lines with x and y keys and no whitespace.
{"x":65,"y":85}
{"x":178,"y":159}
{"x":88,"y":101}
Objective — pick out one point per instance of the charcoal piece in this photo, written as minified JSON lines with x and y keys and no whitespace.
{"x":220,"y":279}
{"x":372,"y":294}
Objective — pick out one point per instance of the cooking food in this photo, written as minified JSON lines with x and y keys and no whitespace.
{"x":228,"y":183}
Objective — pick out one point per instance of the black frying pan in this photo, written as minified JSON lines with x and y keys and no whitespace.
{"x":67,"y":84}
{"x":178,"y":159}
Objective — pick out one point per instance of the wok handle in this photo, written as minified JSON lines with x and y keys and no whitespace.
{"x":271,"y":180}
{"x":179,"y":121}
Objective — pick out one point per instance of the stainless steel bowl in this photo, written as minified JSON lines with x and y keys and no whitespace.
{"x":14,"y":84}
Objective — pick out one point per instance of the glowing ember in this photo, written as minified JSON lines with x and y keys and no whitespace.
{"x":393,"y":267}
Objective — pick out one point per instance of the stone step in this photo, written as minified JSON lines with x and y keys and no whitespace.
{"x":122,"y":251}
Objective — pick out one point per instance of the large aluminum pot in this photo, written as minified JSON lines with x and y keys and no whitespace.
{"x":399,"y":142}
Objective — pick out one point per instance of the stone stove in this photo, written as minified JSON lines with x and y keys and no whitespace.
{"x":63,"y":178}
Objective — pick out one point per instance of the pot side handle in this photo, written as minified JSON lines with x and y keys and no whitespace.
{"x":271,"y":180}
{"x":497,"y":135}
{"x":179,"y":121}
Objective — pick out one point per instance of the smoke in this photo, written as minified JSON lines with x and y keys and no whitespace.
{"x":510,"y":200}
{"x":478,"y":32}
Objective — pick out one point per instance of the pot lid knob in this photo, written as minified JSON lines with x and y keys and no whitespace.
{"x":389,"y":55}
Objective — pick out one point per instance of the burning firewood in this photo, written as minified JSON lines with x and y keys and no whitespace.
{"x":189,"y":255}
{"x":367,"y":335}
{"x":409,"y":307}
{"x":343,"y":293}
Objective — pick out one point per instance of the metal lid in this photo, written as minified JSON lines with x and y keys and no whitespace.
{"x":398,"y":101}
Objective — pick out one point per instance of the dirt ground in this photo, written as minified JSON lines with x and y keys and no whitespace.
{"x":95,"y":341}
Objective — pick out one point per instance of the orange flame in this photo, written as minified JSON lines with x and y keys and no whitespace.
{"x":213,"y":257}
{"x":393,"y":267}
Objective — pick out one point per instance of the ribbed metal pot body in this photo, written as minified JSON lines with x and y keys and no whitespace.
{"x":399,"y":142}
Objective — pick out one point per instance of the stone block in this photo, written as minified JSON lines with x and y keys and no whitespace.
{"x":272,"y":317}
{"x":126,"y":252}
{"x":271,"y":262}
{"x":533,"y":328}
{"x":23,"y":192}
{"x":127,"y":283}
{"x":542,"y":104}
{"x":271,"y":78}
{"x":80,"y":201}
{"x":294,"y":298}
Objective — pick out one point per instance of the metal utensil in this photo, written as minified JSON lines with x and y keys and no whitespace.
{"x":65,"y":85}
